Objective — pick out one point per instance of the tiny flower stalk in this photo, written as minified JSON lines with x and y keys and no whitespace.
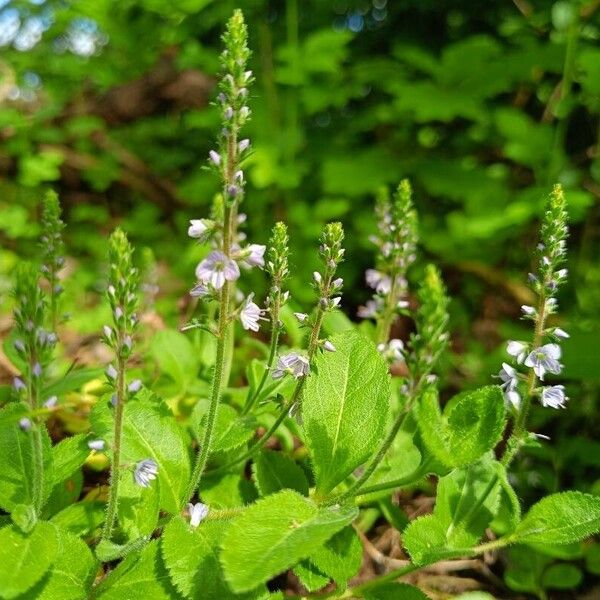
{"x":122,"y":296}
{"x":297,"y":365}
{"x":34,"y":344}
{"x":218,"y":272}
{"x":396,"y":243}
{"x":277,"y":268}
{"x":425,"y":348}
{"x":52,"y":247}
{"x":543,"y":355}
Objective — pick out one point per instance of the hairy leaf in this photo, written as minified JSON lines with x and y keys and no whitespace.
{"x":340,"y":557}
{"x":68,"y":455}
{"x":277,"y":532}
{"x":81,"y":518}
{"x":24,"y":558}
{"x":471,"y":425}
{"x":345,"y":406}
{"x":231,"y":430}
{"x":17,"y":463}
{"x":150,"y":431}
{"x":139,"y":576}
{"x":191,"y":555}
{"x":175,"y":356}
{"x":71,"y":575}
{"x":274,"y":471}
{"x":310,"y":577}
{"x":560,"y":519}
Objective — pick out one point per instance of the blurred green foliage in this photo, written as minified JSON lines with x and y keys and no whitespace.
{"x":483,"y":107}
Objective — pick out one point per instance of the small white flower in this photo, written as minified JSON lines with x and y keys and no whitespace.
{"x":37,"y":370}
{"x":317,"y":277}
{"x":135,"y":386}
{"x":393,"y":351}
{"x":335,"y":302}
{"x":215,"y":157}
{"x":554,"y":396}
{"x":254,"y":255}
{"x":337,"y":283}
{"x":243,"y":144}
{"x":560,"y":333}
{"x":111,"y":372}
{"x":369,"y":310}
{"x":293,"y":363}
{"x":200,"y":290}
{"x":562,"y":273}
{"x":510,"y":380}
{"x":545,"y":359}
{"x":380,"y":282}
{"x":145,"y":472}
{"x":198,"y":512}
{"x":107,"y":331}
{"x":250,"y":314}
{"x":25,"y":423}
{"x":301,"y":316}
{"x":327,"y":345}
{"x":217,"y":268}
{"x":200,"y":229}
{"x":51,"y":402}
{"x":97,"y":445}
{"x":528,"y":310}
{"x":518,"y":350}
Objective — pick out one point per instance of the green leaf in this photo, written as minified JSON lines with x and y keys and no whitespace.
{"x":81,"y":518}
{"x":340,"y":557}
{"x":562,"y":577}
{"x":231,"y":430}
{"x":345,"y":407}
{"x":395,"y":591}
{"x":175,"y":356}
{"x":471,"y":425}
{"x":402,"y":459}
{"x":17,"y":463}
{"x":310,"y":577}
{"x":138,"y":508}
{"x":274,"y":471}
{"x":72,"y":381}
{"x":560,"y":519}
{"x":71,"y":575}
{"x":24,"y":558}
{"x":467,"y":500}
{"x":139,"y":576}
{"x":277,"y":532}
{"x":191,"y":555}
{"x":227,"y":490}
{"x":24,"y":516}
{"x":68,"y":456}
{"x":150,"y":431}
{"x":525,"y":569}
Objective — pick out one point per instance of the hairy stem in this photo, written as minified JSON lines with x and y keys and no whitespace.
{"x":115,"y":468}
{"x":516,"y":438}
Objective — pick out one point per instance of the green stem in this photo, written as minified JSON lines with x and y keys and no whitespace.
{"x":115,"y":468}
{"x":38,"y":455}
{"x":389,"y":312}
{"x":275,"y":329}
{"x":290,"y":404}
{"x":516,"y":438}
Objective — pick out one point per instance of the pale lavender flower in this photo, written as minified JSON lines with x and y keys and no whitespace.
{"x":254,"y":255}
{"x":250,"y":314}
{"x":293,"y":363}
{"x":18,"y":384}
{"x":545,"y":359}
{"x":107,"y":331}
{"x":214,"y":157}
{"x":528,"y":311}
{"x":135,"y":386}
{"x":97,"y":445}
{"x":145,"y":471}
{"x":217,"y":268}
{"x":200,"y":290}
{"x":19,"y":345}
{"x":317,"y":277}
{"x":200,"y":229}
{"x":554,"y":396}
{"x":51,"y":402}
{"x":25,"y":423}
{"x":37,"y":370}
{"x":518,"y":350}
{"x":327,"y":345}
{"x":393,"y":350}
{"x":369,"y":310}
{"x":243,"y":144}
{"x":560,"y":333}
{"x":380,"y":282}
{"x":111,"y":372}
{"x":510,"y":379}
{"x":198,"y":512}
